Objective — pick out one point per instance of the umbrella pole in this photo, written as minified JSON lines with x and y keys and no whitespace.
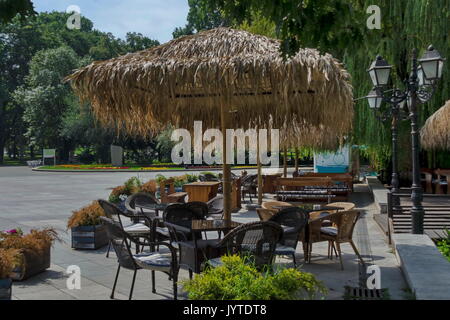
{"x":226,"y":167}
{"x":296,"y":159}
{"x":260,"y":182}
{"x":285,"y":163}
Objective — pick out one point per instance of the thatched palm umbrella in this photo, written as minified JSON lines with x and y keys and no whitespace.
{"x":435,"y":134}
{"x":212,"y":75}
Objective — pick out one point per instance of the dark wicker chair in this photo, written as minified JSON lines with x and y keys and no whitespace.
{"x":215,"y":207}
{"x":178,"y":220}
{"x":135,"y":229}
{"x":140,"y":198}
{"x":255,"y":240}
{"x":249,"y":185}
{"x":200,"y":209}
{"x":149,"y":260}
{"x":293,"y":221}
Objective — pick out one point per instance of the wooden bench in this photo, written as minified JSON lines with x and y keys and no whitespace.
{"x":436,"y":218}
{"x":168,"y":194}
{"x":345,"y":179}
{"x":304,"y":189}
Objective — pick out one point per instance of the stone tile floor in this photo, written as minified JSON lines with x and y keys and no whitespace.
{"x":37,"y":199}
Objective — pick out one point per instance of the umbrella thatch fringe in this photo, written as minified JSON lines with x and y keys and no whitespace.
{"x":435,"y":134}
{"x":188,"y":78}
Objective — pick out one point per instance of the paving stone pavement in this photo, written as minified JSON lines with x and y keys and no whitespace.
{"x":39,"y":199}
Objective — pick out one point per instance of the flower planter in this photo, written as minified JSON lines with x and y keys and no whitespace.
{"x":31,"y":263}
{"x":5,"y":289}
{"x":89,"y":237}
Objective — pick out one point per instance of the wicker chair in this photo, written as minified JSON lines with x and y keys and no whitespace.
{"x":249,"y":185}
{"x":341,"y":231}
{"x":200,"y":209}
{"x":256,"y":240}
{"x":141,"y":198}
{"x":293,"y":221}
{"x":149,"y":260}
{"x":215,"y":207}
{"x":135,"y":229}
{"x":178,"y":221}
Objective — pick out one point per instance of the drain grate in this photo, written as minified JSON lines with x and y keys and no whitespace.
{"x":352,"y":293}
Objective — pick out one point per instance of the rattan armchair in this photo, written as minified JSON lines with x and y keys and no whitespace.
{"x":149,"y":260}
{"x":215,"y":207}
{"x":140,"y":198}
{"x":293,"y":221}
{"x":249,"y":185}
{"x":255,"y":240}
{"x":135,"y":229}
{"x":340,"y":231}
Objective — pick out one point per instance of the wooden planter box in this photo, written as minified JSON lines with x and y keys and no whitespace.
{"x":5,"y":289}
{"x":89,"y":237}
{"x":31,"y":264}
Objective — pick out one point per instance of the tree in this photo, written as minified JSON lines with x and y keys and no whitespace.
{"x":202,"y":15}
{"x":10,"y":8}
{"x":21,"y":39}
{"x":45,"y":97}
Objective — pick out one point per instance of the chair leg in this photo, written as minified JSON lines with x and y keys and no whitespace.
{"x":305,"y":251}
{"x":295,"y":260}
{"x":132,"y":285}
{"x":309,"y":252}
{"x":153,"y":282}
{"x":190,"y":274}
{"x":357,"y":252}
{"x":109,"y":248}
{"x":338,"y":246}
{"x":115,"y":282}
{"x":175,"y":286}
{"x":329,"y":247}
{"x":334,"y":248}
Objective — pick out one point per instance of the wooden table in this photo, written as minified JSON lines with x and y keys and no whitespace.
{"x":201,"y":191}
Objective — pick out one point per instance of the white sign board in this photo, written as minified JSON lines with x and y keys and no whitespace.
{"x":49,"y":153}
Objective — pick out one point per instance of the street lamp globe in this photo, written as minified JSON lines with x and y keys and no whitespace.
{"x":379,"y":72}
{"x":374,"y":99}
{"x":432,"y":64}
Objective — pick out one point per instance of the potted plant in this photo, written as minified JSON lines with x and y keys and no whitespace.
{"x":238,"y":279}
{"x":120,"y":193}
{"x":7,"y":262}
{"x":86,"y":229}
{"x":33,"y":250}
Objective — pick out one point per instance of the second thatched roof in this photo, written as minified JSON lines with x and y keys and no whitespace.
{"x":189,"y":78}
{"x":435,"y":134}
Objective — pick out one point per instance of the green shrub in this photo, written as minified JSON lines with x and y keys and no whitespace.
{"x":444,"y":246}
{"x":238,"y":280}
{"x":119,"y":193}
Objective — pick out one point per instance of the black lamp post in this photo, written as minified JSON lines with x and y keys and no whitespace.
{"x":419,"y":89}
{"x":394,"y":111}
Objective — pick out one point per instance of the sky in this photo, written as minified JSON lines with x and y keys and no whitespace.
{"x":155,"y":19}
